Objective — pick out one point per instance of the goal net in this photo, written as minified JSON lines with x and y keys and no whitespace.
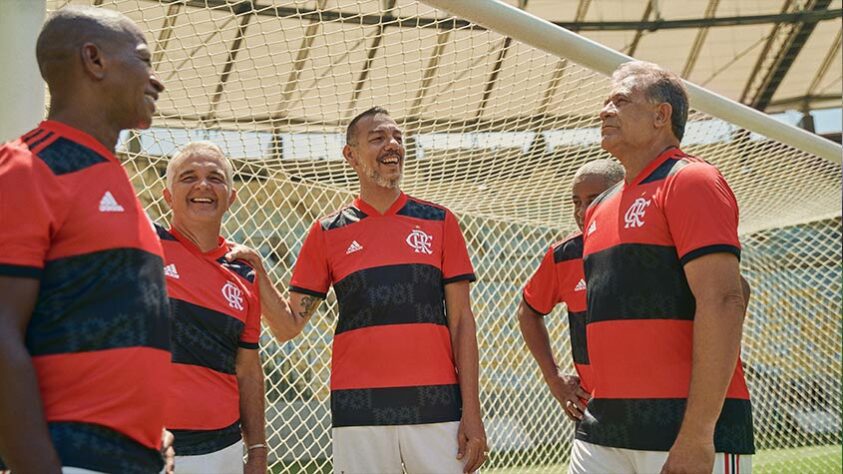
{"x":494,"y":130}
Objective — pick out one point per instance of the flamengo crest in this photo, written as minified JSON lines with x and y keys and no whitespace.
{"x":634,"y":216}
{"x":420,"y":242}
{"x":233,"y":295}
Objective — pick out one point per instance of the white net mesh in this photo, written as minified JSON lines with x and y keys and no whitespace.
{"x":495,"y":131}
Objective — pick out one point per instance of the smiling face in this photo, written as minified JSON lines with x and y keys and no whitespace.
{"x":377,"y":151}
{"x":199,"y":188}
{"x":133,"y":85}
{"x":628,"y":118}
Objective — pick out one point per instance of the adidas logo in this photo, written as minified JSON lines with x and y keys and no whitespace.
{"x":170,"y":271}
{"x":109,"y":204}
{"x":580,"y":286}
{"x":592,"y":228}
{"x":354,"y":247}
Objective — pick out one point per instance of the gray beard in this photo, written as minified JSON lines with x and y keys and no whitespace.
{"x":372,"y":174}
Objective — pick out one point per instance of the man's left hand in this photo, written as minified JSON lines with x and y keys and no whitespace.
{"x":688,"y":457}
{"x":471,"y":438}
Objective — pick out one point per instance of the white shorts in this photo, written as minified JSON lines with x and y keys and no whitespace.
{"x":225,"y":461}
{"x":421,"y":449}
{"x":592,"y":458}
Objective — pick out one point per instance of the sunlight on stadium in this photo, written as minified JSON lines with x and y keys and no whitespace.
{"x":495,"y":129}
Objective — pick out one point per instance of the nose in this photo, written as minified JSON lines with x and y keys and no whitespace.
{"x":156,"y":83}
{"x":607,"y":110}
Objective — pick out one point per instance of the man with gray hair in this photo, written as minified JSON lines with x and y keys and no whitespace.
{"x":559,"y":279}
{"x":665,"y":297}
{"x":84,"y":322}
{"x":216,"y":390}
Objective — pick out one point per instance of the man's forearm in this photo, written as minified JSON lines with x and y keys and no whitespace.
{"x":716,"y":345}
{"x":252,"y":411}
{"x":25,"y":444}
{"x":276,"y":310}
{"x":468,"y":364}
{"x":538,"y":341}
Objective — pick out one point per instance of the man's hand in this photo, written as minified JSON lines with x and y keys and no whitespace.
{"x":471,"y":438}
{"x":567,"y":391}
{"x":690,"y":457}
{"x":248,"y":255}
{"x":167,"y":451}
{"x":256,"y":464}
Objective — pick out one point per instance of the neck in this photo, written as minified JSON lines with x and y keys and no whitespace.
{"x":634,"y":161}
{"x":204,"y":236}
{"x":87,"y":120}
{"x":379,"y":197}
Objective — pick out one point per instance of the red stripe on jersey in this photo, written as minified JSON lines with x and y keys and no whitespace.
{"x":210,"y":401}
{"x":646,"y":359}
{"x":396,"y":355}
{"x":110,"y":395}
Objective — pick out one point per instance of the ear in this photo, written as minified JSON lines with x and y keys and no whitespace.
{"x":348,"y":154}
{"x":168,"y":197}
{"x":232,"y":197}
{"x":664,"y":114}
{"x":93,"y":62}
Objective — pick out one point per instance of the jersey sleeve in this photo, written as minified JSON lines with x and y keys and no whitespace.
{"x":542,"y":290}
{"x":252,"y":332}
{"x":29,"y":217}
{"x":456,"y":266}
{"x":702,"y":213}
{"x":311,"y":275}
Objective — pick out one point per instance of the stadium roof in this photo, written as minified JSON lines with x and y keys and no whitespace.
{"x":265,"y":61}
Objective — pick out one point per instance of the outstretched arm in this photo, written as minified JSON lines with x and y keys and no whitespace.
{"x":565,"y":388}
{"x":25,"y":444}
{"x":275,"y":309}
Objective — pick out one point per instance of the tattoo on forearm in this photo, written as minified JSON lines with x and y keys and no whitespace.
{"x":309,"y":305}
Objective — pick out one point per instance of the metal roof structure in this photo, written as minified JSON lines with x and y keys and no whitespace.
{"x":773,"y":55}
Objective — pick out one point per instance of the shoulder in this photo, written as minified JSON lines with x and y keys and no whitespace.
{"x":344,"y":216}
{"x":569,"y":248}
{"x":426,"y":210}
{"x":163,"y":233}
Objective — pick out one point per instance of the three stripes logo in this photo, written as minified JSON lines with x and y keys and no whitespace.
{"x":109,"y":204}
{"x":354,"y":247}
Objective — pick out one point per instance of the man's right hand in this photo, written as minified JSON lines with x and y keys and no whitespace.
{"x":567,"y":390}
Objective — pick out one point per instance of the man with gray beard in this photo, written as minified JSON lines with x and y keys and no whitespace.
{"x":404,"y":381}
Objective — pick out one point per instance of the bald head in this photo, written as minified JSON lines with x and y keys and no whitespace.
{"x":67,"y":30}
{"x":609,"y":170}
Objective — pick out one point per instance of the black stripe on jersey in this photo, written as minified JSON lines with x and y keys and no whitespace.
{"x":205,"y":337}
{"x":305,"y":291}
{"x":396,"y":405}
{"x":239,"y":267}
{"x":20,"y":271}
{"x":32,"y":134}
{"x":570,"y":249}
{"x":35,"y":142}
{"x":100,"y":449}
{"x":421,"y":210}
{"x":709,"y":250}
{"x":668,"y":168}
{"x":247,"y":345}
{"x":102,"y":300}
{"x":637,"y":281}
{"x":607,"y":193}
{"x":65,"y":156}
{"x":392,"y":294}
{"x":579,"y":346}
{"x":652,"y":424}
{"x":163,"y":233}
{"x":456,"y":278}
{"x":344,"y":217}
{"x":198,"y":442}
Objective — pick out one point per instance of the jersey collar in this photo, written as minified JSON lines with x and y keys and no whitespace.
{"x":371,"y":211}
{"x":668,"y":153}
{"x":79,"y":137}
{"x":213,"y":254}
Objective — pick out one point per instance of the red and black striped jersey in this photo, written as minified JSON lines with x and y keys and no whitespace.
{"x":638,"y":237}
{"x":560,"y":279}
{"x":216,"y":310}
{"x":99,"y":332}
{"x":392,"y":360}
